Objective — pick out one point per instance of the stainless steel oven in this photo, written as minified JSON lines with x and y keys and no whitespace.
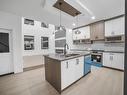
{"x":96,"y":56}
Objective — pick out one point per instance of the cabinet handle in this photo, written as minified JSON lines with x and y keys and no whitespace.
{"x":67,"y":65}
{"x":113,"y":33}
{"x":111,"y":58}
{"x":77,"y":61}
{"x":96,"y":37}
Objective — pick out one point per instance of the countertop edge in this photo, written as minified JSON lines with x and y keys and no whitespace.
{"x":68,"y":57}
{"x":102,"y":51}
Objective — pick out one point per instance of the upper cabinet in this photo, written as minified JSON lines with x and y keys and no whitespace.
{"x":111,"y":31}
{"x":114,"y":27}
{"x":83,"y":36}
{"x":97,"y":31}
{"x":84,"y":33}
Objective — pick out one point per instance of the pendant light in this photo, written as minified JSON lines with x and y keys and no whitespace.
{"x":61,"y":28}
{"x":77,"y":30}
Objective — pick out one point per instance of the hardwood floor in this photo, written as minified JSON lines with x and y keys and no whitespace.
{"x":100,"y":82}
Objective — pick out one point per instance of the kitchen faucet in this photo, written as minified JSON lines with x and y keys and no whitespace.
{"x":65,"y":51}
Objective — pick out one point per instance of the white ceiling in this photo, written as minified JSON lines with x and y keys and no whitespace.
{"x":34,"y":9}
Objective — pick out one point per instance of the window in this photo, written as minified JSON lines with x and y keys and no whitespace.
{"x":28,"y":22}
{"x":44,"y":25}
{"x":28,"y":42}
{"x":44,"y":42}
{"x":4,"y":42}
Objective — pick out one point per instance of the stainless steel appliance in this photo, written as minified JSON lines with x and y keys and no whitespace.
{"x":96,"y":56}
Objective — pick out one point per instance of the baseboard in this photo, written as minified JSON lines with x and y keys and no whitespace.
{"x":32,"y":68}
{"x":6,"y":74}
{"x":113,"y":68}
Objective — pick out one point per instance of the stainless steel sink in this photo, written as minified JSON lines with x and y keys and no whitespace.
{"x":69,"y":55}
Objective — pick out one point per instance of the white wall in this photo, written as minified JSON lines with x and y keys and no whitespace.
{"x":13,"y":22}
{"x":35,"y":57}
{"x":37,"y":31}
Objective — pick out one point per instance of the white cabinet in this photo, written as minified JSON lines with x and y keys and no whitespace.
{"x":84,"y":33}
{"x":71,"y":70}
{"x":67,"y":73}
{"x":114,"y":60}
{"x":114,"y":27}
{"x":79,"y":67}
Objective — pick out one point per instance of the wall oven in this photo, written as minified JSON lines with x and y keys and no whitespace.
{"x":96,"y":56}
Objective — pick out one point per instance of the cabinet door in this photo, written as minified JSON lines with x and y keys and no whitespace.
{"x":92,"y":31}
{"x":107,"y":59}
{"x":114,"y":60}
{"x":76,"y":36}
{"x":67,"y":73}
{"x":97,"y":31}
{"x":118,"y":61}
{"x":114,"y":27}
{"x":118,"y":26}
{"x":85,"y":32}
{"x":100,"y":30}
{"x":79,"y":65}
{"x":108,"y":28}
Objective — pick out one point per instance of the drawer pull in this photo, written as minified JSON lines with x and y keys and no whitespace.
{"x":77,"y":61}
{"x":67,"y":65}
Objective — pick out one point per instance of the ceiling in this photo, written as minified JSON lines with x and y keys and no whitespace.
{"x":42,"y":10}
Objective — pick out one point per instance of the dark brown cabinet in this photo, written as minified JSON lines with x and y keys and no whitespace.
{"x":97,"y":31}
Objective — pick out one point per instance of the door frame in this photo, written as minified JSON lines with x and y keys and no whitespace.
{"x":125,"y":59}
{"x":10,"y":31}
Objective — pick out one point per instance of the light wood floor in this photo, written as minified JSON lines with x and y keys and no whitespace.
{"x":100,"y":82}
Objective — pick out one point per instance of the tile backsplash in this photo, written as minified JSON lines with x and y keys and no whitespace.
{"x":101,"y":46}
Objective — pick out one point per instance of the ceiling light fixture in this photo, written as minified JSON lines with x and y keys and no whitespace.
{"x":61,"y":28}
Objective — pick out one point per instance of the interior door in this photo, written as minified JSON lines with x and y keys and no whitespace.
{"x":6,"y":60}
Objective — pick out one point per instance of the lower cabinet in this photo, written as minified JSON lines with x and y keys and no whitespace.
{"x":114,"y":60}
{"x":71,"y":71}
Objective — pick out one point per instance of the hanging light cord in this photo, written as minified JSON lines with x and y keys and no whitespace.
{"x":77,"y":20}
{"x":77,"y":23}
{"x":60,"y":13}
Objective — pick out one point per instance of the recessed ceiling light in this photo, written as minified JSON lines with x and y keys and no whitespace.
{"x":74,"y":24}
{"x":93,"y":17}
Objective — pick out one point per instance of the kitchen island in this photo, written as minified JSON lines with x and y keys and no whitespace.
{"x":62,"y":71}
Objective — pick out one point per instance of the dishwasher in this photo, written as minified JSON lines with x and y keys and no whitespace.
{"x":87,"y":64}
